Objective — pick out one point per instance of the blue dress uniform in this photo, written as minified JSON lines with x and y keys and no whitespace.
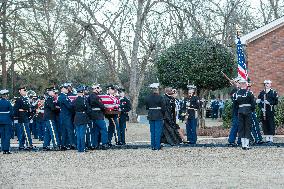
{"x":98,"y":123}
{"x":268,"y":100}
{"x":246,"y":105}
{"x":155,"y":106}
{"x":6,"y":114}
{"x":40,"y":124}
{"x":81,"y":119}
{"x":191,"y":106}
{"x":215,"y":109}
{"x":235,"y":122}
{"x":66,"y":113}
{"x":21,"y":113}
{"x":125,"y":107}
{"x":50,"y":131}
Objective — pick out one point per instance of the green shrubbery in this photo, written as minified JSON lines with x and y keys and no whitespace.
{"x":279,"y":113}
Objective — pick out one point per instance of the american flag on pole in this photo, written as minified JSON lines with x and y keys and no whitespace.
{"x":242,"y":68}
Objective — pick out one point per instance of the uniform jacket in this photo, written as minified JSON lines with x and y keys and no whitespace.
{"x":233,"y":98}
{"x":97,"y":107}
{"x":22,"y":109}
{"x":6,"y":112}
{"x":65,"y":105}
{"x":82,"y":109}
{"x":49,"y":108}
{"x":271,"y":97}
{"x":244,"y":98}
{"x":155,"y":104}
{"x":190,"y":106}
{"x":125,"y":105}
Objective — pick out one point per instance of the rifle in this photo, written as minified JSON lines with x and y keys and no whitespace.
{"x":264,"y":106}
{"x":232,"y":82}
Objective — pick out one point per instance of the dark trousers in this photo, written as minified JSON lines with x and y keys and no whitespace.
{"x":255,"y":128}
{"x":50,"y":133}
{"x":5,"y":137}
{"x":81,"y":134}
{"x":191,"y":125}
{"x":234,"y":130}
{"x":24,"y":135}
{"x":89,"y":135}
{"x":99,"y":129}
{"x":122,"y":128}
{"x":40,"y":129}
{"x":67,"y":131}
{"x":245,"y":122}
{"x":268,"y":125}
{"x":113,"y":124}
{"x":156,"y":132}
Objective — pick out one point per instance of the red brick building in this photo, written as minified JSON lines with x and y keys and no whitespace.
{"x":265,"y":55}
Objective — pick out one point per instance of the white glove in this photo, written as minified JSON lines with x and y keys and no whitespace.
{"x":31,"y":121}
{"x":266,"y":102}
{"x":258,"y":101}
{"x":262,"y":109}
{"x":16,"y":121}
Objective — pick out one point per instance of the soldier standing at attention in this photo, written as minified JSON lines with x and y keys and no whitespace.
{"x":155,"y":106}
{"x":81,"y":119}
{"x":66,"y":113}
{"x":125,"y":107}
{"x":190,"y":107}
{"x":246,"y":105}
{"x":50,"y":131}
{"x":6,"y":114}
{"x":21,"y":114}
{"x":267,"y":99}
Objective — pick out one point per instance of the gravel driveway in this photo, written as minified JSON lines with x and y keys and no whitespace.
{"x":210,"y":164}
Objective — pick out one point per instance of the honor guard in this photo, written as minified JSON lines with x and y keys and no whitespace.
{"x":50,"y":131}
{"x":267,"y":99}
{"x":112,"y":117}
{"x":255,"y":130}
{"x":33,"y":101}
{"x":156,"y":109}
{"x":246,"y":105}
{"x":6,"y":114}
{"x":81,"y":119}
{"x":98,"y":118}
{"x":235,"y":122}
{"x":190,"y":107}
{"x":125,"y":107}
{"x":21,"y":115}
{"x":66,"y":119}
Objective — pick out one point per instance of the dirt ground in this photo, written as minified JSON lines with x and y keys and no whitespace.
{"x":209,"y":164}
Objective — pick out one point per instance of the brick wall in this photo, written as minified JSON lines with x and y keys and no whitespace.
{"x":265,"y":57}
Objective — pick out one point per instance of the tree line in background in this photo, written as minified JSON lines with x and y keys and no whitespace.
{"x":47,"y":42}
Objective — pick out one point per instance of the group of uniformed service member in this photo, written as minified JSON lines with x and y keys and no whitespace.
{"x":78,"y":124}
{"x":84,"y":118}
{"x":245,"y":124}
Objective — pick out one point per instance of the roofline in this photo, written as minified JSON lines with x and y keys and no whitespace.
{"x":262,"y":30}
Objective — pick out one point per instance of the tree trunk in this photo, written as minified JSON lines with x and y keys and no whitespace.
{"x":3,"y":48}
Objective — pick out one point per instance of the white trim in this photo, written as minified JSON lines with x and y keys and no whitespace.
{"x":262,"y":30}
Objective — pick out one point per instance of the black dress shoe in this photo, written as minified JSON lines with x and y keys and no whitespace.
{"x":46,"y":149}
{"x":231,"y":144}
{"x":72,"y":147}
{"x":63,"y":148}
{"x":105,"y":147}
{"x":7,"y":152}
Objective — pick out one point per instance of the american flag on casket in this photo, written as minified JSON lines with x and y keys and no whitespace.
{"x":111,"y":103}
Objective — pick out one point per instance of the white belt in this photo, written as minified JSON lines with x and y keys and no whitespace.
{"x":41,"y":111}
{"x":5,"y":112}
{"x":96,"y":109}
{"x":157,"y":108}
{"x":244,"y":105}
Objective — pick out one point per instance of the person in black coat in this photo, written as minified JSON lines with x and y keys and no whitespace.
{"x":267,"y":100}
{"x":246,"y":105}
{"x":50,"y":131}
{"x":190,"y":107}
{"x":21,"y":117}
{"x":125,"y":107}
{"x":156,"y":110}
{"x":97,"y":118}
{"x":6,"y":114}
{"x":81,"y":119}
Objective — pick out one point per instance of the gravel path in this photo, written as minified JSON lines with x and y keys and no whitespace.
{"x":198,"y":166}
